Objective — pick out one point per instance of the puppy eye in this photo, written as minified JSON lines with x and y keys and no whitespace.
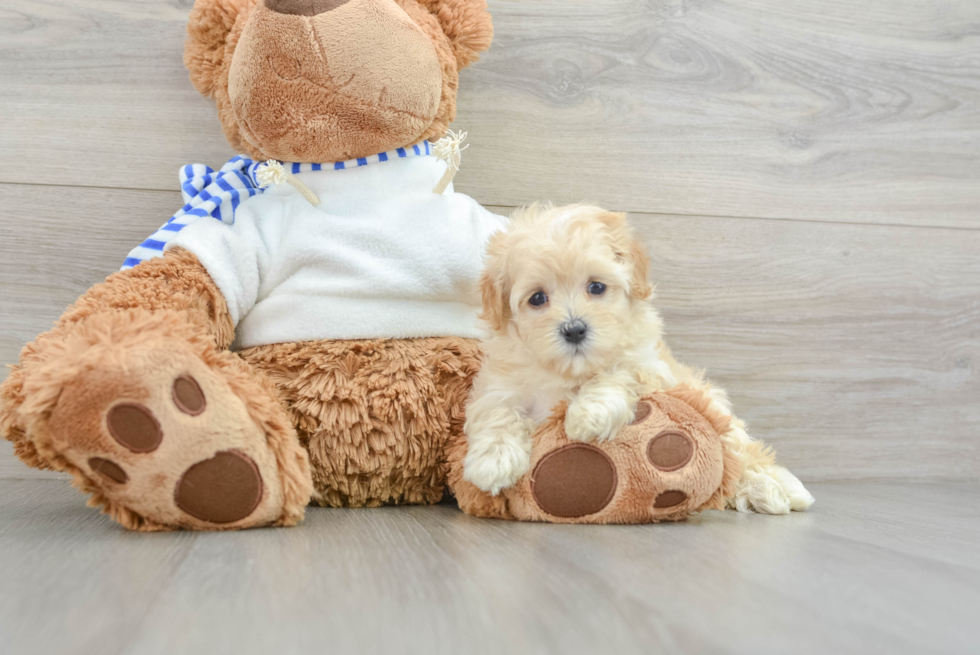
{"x":538,"y":299}
{"x":597,"y":288}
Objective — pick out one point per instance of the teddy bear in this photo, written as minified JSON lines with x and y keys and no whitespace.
{"x":304,"y":330}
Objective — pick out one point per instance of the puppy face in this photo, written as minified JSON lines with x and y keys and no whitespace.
{"x":567,"y":282}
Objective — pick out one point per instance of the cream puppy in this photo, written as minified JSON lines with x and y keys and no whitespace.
{"x":569,"y":307}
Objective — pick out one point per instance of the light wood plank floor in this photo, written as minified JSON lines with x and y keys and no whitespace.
{"x":884,"y":567}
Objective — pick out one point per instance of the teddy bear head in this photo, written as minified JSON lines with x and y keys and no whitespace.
{"x":329,"y":80}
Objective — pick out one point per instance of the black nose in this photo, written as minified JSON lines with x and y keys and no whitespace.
{"x":574,"y":331}
{"x":303,"y":7}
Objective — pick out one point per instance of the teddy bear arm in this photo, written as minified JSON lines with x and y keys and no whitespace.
{"x":175,"y":282}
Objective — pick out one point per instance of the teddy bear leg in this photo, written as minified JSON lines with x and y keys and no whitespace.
{"x":669,"y":463}
{"x":161,"y":427}
{"x":375,"y":415}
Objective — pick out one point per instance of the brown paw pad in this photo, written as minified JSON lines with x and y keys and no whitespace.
{"x":574,"y":481}
{"x":670,"y":450}
{"x":108,"y":469}
{"x":643,"y":411}
{"x":188,"y":396}
{"x":223,"y":489}
{"x":134,"y":427}
{"x":671,"y":498}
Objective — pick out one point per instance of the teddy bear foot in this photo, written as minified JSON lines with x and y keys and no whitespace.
{"x":669,"y":463}
{"x":165,"y":438}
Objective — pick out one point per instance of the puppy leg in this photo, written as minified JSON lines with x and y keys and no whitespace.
{"x":604,"y":406}
{"x":765,"y":486}
{"x":498,"y":436}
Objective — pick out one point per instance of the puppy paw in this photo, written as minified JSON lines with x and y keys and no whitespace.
{"x":799,"y":498}
{"x":497,"y":458}
{"x":773,"y":490}
{"x":496,"y":466}
{"x":598,"y":416}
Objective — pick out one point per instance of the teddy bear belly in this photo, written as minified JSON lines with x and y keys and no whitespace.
{"x":375,"y":415}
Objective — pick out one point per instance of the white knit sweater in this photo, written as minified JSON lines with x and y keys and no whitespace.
{"x":381,"y":256}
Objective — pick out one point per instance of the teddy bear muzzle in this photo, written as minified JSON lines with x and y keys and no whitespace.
{"x":304,"y":7}
{"x":325,"y":80}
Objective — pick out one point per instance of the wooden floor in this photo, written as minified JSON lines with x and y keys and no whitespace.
{"x":806,"y":176}
{"x":876,"y":567}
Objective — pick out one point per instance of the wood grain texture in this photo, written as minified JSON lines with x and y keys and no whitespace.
{"x":70,"y":577}
{"x":853,"y":349}
{"x":874,"y":567}
{"x":864,"y":112}
{"x":829,"y":111}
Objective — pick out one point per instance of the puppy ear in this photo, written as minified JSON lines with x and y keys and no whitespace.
{"x":615,"y":222}
{"x":208,"y":26}
{"x":466,"y":23}
{"x":631,"y":250}
{"x":493,"y":288}
{"x":640,"y":286}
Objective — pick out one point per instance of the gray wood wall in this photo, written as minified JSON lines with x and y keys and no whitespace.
{"x":805,"y":174}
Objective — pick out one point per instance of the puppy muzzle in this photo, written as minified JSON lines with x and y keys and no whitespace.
{"x":574,"y":331}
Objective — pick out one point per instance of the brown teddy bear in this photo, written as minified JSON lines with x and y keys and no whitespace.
{"x":305,"y":331}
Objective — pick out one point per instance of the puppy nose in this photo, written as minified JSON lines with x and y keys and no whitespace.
{"x":303,"y":7}
{"x":574,"y":331}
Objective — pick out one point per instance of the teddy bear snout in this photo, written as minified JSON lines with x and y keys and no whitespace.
{"x":358,"y":81}
{"x":303,"y":7}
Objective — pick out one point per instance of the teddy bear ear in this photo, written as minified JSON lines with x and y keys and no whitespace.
{"x":208,"y":26}
{"x":468,"y":25}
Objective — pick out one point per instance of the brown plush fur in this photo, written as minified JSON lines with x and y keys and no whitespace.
{"x":712,"y":474}
{"x":279,"y":97}
{"x":374,"y":415}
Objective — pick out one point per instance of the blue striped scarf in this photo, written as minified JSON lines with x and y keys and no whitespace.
{"x":217,"y":194}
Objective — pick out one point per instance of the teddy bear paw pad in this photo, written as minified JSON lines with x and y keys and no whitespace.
{"x":223,"y":489}
{"x":134,"y":427}
{"x":188,"y":396}
{"x":671,"y":498}
{"x":574,"y":481}
{"x":108,"y":470}
{"x":670,"y":450}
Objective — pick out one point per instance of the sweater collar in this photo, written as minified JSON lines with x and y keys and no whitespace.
{"x":217,"y":194}
{"x":421,"y":149}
